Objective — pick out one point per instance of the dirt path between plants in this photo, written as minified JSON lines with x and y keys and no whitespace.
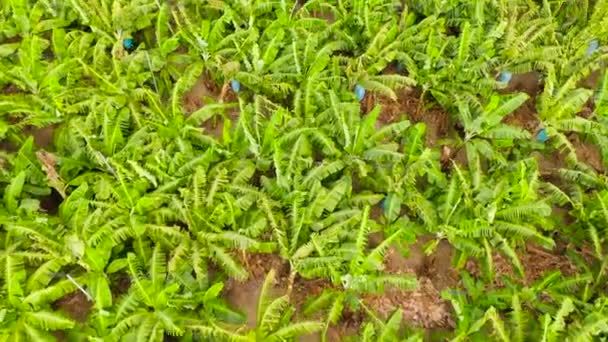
{"x":422,"y":307}
{"x":536,"y":262}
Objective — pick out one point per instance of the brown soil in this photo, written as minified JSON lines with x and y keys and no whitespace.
{"x":43,"y":137}
{"x":525,"y":117}
{"x":195,"y":97}
{"x":8,"y":146}
{"x":588,"y":153}
{"x":258,"y":265}
{"x":563,"y":216}
{"x":529,"y":83}
{"x":585,"y":152}
{"x":327,"y":16}
{"x":59,"y":335}
{"x":414,"y":263}
{"x":449,"y":156}
{"x":592,"y":81}
{"x":10,"y":89}
{"x":120,"y":284}
{"x":422,"y":307}
{"x":206,"y":91}
{"x":535,"y":260}
{"x":367,"y":104}
{"x":437,"y":266}
{"x":244,"y":296}
{"x":376,"y":213}
{"x":348,"y":330}
{"x":51,"y":203}
{"x":588,"y":109}
{"x":461,"y":157}
{"x":548,"y":164}
{"x":317,"y":12}
{"x":338,"y":333}
{"x":408,"y":103}
{"x":76,"y":305}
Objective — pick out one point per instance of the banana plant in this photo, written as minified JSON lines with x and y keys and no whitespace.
{"x":27,"y":295}
{"x":376,"y":45}
{"x":481,"y":214}
{"x":411,"y":163}
{"x":38,"y":99}
{"x":453,"y":66}
{"x":157,"y":303}
{"x":360,"y":272}
{"x":274,"y":320}
{"x":316,"y":70}
{"x":163,"y":59}
{"x":559,"y":106}
{"x":155,"y":200}
{"x":89,"y":244}
{"x":212,"y":40}
{"x":261,"y":72}
{"x":389,"y":330}
{"x":506,"y":313}
{"x":585,"y":197}
{"x":365,"y":70}
{"x":114,"y":19}
{"x":25,"y":182}
{"x":313,"y":216}
{"x":249,"y":54}
{"x":554,"y":327}
{"x":484,"y":128}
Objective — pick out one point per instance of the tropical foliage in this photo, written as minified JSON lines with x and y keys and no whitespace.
{"x":150,"y":149}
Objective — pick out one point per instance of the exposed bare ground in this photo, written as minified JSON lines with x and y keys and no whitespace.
{"x":535,"y":260}
{"x":205,"y":91}
{"x":408,"y":105}
{"x":76,"y":305}
{"x":422,"y":307}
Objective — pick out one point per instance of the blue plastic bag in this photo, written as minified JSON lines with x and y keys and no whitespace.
{"x":505,"y":77}
{"x":235,"y":85}
{"x":400,"y":67}
{"x":359,"y":92}
{"x":542,"y":135}
{"x":593,"y":46}
{"x":128,"y":43}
